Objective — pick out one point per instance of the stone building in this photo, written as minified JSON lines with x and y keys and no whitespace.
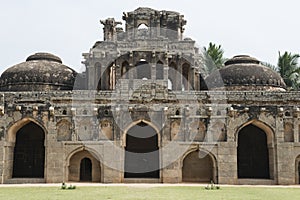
{"x":145,"y":111}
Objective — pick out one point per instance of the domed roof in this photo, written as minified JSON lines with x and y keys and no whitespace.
{"x":40,"y":72}
{"x":245,"y":73}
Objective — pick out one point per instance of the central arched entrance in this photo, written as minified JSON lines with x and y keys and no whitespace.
{"x":141,"y":152}
{"x":253,"y":153}
{"x":29,"y":152}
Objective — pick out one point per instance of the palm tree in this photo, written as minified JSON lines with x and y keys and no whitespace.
{"x":289,"y":69}
{"x":214,"y":57}
{"x":273,"y":67}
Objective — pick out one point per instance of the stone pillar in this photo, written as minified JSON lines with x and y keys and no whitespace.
{"x":54,"y":156}
{"x":91,"y":77}
{"x":227,"y":163}
{"x":166,"y":69}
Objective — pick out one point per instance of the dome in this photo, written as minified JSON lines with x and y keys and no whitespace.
{"x":245,"y":73}
{"x":40,"y":72}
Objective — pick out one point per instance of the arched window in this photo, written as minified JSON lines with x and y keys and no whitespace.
{"x":105,"y":83}
{"x":170,"y":84}
{"x":143,"y":70}
{"x":142,"y":26}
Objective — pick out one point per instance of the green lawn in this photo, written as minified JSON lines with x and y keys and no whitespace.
{"x":174,"y":193}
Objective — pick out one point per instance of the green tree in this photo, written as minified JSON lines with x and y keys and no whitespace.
{"x":214,"y":57}
{"x":289,"y":69}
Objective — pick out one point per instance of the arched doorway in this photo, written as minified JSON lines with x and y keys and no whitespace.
{"x":141,"y":152}
{"x":253,"y":153}
{"x":86,"y":170}
{"x":198,"y":167}
{"x":29,"y":152}
{"x":299,"y":172}
{"x":84,"y":166}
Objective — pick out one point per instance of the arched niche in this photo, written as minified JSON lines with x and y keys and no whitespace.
{"x":64,"y":131}
{"x":197,"y":131}
{"x":199,"y":166}
{"x":106,"y":130}
{"x":80,"y":169}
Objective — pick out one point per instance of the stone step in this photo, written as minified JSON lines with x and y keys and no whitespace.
{"x":142,"y":180}
{"x":256,"y":182}
{"x":25,"y":180}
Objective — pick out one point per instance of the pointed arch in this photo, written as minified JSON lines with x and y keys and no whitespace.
{"x":262,"y":125}
{"x":199,"y":165}
{"x":143,"y":26}
{"x":142,"y":157}
{"x":107,"y":79}
{"x":78,"y":169}
{"x":13,"y":129}
{"x":255,"y":138}
{"x":132,"y":124}
{"x":28,"y":149}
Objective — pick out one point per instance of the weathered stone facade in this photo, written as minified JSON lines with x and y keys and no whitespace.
{"x":142,"y":94}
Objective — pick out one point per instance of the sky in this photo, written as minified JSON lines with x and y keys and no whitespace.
{"x":68,"y":28}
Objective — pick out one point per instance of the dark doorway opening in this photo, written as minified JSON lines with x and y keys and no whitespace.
{"x":141,"y":152}
{"x":253,"y":154}
{"x":29,"y":152}
{"x":86,"y":170}
{"x":298,"y":172}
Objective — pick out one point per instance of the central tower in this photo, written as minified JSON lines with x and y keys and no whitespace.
{"x":150,"y":50}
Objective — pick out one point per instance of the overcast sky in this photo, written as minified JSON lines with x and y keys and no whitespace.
{"x":68,"y":28}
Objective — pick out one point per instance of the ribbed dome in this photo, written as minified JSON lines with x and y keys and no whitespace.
{"x":40,"y":72}
{"x":245,"y":73}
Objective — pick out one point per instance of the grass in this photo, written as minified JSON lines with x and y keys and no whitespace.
{"x":139,"y":193}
